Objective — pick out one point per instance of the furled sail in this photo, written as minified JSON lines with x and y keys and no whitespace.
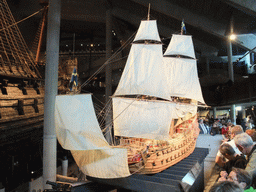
{"x":181,"y":45}
{"x":77,"y":130}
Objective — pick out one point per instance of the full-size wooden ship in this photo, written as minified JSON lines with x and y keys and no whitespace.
{"x":21,"y":104}
{"x":154,"y":111}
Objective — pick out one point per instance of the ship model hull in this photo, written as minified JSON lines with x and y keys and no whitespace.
{"x":151,"y":159}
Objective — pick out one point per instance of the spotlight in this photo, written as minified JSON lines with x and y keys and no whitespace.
{"x":232,"y":37}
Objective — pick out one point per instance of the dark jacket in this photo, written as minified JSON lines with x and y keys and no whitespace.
{"x":238,"y":162}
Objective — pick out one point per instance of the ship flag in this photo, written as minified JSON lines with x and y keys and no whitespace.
{"x":74,"y":80}
{"x":183,"y":27}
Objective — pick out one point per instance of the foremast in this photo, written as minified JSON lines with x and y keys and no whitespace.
{"x":180,"y":63}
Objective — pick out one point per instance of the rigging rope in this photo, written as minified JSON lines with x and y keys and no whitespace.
{"x":108,"y":61}
{"x":22,"y":20}
{"x":111,"y":123}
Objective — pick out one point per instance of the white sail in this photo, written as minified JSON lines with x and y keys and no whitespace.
{"x":77,"y":130}
{"x":147,"y":31}
{"x":144,"y":73}
{"x":76,"y":125}
{"x":103,"y":163}
{"x":182,"y":78}
{"x":181,"y":45}
{"x":181,"y":110}
{"x":147,"y":118}
{"x":142,"y":119}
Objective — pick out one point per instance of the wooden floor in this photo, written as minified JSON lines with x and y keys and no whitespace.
{"x":212,"y":143}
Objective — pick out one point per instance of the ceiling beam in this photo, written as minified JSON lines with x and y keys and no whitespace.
{"x":167,"y":8}
{"x":249,"y":6}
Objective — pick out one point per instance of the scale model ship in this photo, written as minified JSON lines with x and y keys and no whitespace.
{"x":154,"y":111}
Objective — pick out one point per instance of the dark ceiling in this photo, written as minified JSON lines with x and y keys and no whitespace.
{"x":208,"y":21}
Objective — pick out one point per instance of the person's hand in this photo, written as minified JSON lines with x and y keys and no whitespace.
{"x":222,"y":179}
{"x":225,"y":140}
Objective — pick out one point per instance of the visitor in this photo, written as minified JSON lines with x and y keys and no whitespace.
{"x":244,"y":124}
{"x":245,"y":144}
{"x":240,"y":177}
{"x":252,"y":133}
{"x":220,"y":159}
{"x":204,"y":129}
{"x":216,"y":127}
{"x":226,"y":186}
{"x":225,"y":131}
{"x":234,"y":159}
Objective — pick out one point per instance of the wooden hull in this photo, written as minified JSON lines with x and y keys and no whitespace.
{"x":167,"y":158}
{"x":157,"y":159}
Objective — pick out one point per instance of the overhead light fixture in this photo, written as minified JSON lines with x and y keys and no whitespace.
{"x":232,"y":37}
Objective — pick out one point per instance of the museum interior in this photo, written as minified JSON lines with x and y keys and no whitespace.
{"x":88,"y":35}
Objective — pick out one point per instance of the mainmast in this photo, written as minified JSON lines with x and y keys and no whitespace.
{"x":148,"y":12}
{"x":45,"y":11}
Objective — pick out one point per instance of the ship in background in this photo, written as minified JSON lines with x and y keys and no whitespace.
{"x":22,"y":76}
{"x":22,"y":94}
{"x":21,"y":103}
{"x":22,"y":100}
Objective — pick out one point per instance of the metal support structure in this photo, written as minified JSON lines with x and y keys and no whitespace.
{"x":108,"y":91}
{"x":229,"y":50}
{"x":65,"y":166}
{"x":214,"y":113}
{"x":230,"y":63}
{"x":233,"y":114}
{"x":51,"y":89}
